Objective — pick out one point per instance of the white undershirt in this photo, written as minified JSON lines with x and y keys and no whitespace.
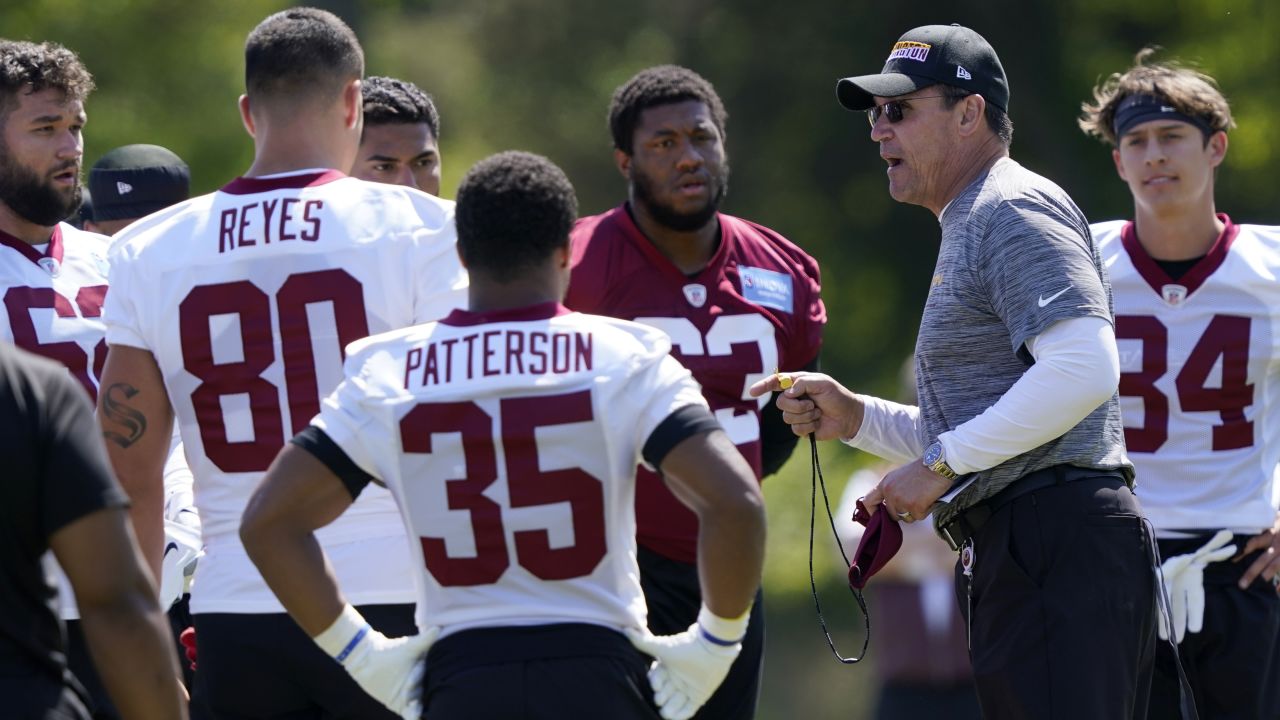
{"x":1077,"y":368}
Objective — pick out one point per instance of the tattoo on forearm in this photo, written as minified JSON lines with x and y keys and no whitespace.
{"x":132,"y":422}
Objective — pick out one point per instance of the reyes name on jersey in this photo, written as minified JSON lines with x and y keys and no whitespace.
{"x":247,"y":298}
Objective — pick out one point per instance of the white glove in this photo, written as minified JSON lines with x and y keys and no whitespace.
{"x":688,"y":667}
{"x":1184,"y":582}
{"x":389,"y":669}
{"x":181,"y":548}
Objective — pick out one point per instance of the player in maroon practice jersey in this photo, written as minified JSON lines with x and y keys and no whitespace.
{"x":738,"y":300}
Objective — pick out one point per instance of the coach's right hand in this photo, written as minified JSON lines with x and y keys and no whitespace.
{"x":814,"y":403}
{"x":389,"y":669}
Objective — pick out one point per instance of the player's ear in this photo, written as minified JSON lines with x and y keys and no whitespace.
{"x":352,"y":104}
{"x":562,"y":255}
{"x":623,"y":161}
{"x":462,"y":256}
{"x":246,"y":116}
{"x":1217,"y":147}
{"x":1115,"y":158}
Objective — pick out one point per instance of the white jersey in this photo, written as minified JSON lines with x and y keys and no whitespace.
{"x":510,"y":441}
{"x":53,"y":307}
{"x":53,"y":299}
{"x":246,"y":298}
{"x":1200,"y":378}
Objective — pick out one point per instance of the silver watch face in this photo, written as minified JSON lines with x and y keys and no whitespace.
{"x":932,"y":453}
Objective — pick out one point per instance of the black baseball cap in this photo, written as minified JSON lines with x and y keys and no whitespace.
{"x":136,"y":180}
{"x":947,"y":54}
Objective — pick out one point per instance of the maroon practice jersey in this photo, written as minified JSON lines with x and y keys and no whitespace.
{"x":752,"y":310}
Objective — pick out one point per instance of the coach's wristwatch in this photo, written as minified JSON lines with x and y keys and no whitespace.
{"x":935,"y":459}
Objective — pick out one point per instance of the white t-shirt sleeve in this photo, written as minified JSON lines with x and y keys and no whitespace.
{"x":889,"y":430}
{"x":664,"y":386}
{"x":1077,"y":368}
{"x":346,"y":419}
{"x":440,"y":280}
{"x":120,"y":310}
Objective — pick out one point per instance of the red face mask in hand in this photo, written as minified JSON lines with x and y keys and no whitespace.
{"x":880,"y":542}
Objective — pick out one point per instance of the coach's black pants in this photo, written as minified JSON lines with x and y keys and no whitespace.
{"x":540,"y":672}
{"x":264,"y":667}
{"x":1062,"y":612}
{"x":36,"y":696}
{"x":1233,"y":664}
{"x":674,"y":597}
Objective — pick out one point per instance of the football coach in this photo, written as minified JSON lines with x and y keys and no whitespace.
{"x":1016,"y":447}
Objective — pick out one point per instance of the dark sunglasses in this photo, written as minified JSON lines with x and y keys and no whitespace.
{"x":893,"y":109}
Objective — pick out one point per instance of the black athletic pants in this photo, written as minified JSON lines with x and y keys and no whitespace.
{"x":540,"y":672}
{"x":1233,"y":664}
{"x":674,"y":596}
{"x":264,"y":667}
{"x":35,"y":696}
{"x":1062,"y":605}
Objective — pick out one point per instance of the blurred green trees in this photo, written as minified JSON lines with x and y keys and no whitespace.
{"x":538,"y":75}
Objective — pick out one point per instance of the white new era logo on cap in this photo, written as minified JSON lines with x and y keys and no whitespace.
{"x":123,"y":188}
{"x":962,"y":73}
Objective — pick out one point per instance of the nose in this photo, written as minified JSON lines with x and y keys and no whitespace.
{"x":406,"y":177}
{"x":1154,"y":153}
{"x":690,"y":159}
{"x":72,"y":145}
{"x":880,"y":129}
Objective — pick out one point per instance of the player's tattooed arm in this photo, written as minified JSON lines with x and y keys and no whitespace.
{"x":122,"y":423}
{"x":136,"y":422}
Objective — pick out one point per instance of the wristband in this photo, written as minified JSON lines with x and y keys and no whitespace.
{"x":723,"y":631}
{"x":340,"y":638}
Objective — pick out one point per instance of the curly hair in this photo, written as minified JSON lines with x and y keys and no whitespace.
{"x":1189,"y":91}
{"x":301,"y":52}
{"x":514,"y":209}
{"x":390,"y":100}
{"x":32,"y":67}
{"x":659,"y":85}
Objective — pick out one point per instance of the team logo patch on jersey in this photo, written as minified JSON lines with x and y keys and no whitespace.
{"x":917,"y":51}
{"x":1175,"y":295}
{"x":50,"y":265}
{"x":766,"y":288}
{"x":696,"y":294}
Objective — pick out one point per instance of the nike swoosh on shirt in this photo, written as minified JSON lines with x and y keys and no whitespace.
{"x":1042,"y":300}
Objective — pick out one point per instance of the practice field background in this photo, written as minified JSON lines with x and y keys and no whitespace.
{"x":538,"y":74}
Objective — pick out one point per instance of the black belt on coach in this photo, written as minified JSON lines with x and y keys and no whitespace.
{"x":966,"y":523}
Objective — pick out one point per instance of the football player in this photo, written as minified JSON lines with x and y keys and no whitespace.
{"x":509,"y":434}
{"x":53,"y":276}
{"x":738,"y":300}
{"x":231,"y":311}
{"x":401,"y":140}
{"x":1197,"y":310}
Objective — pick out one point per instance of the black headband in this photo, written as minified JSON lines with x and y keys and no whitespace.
{"x":1137,"y":109}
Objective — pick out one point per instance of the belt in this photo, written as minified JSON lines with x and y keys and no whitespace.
{"x":969,"y":521}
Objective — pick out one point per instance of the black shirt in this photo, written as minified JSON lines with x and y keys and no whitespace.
{"x":55,"y":472}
